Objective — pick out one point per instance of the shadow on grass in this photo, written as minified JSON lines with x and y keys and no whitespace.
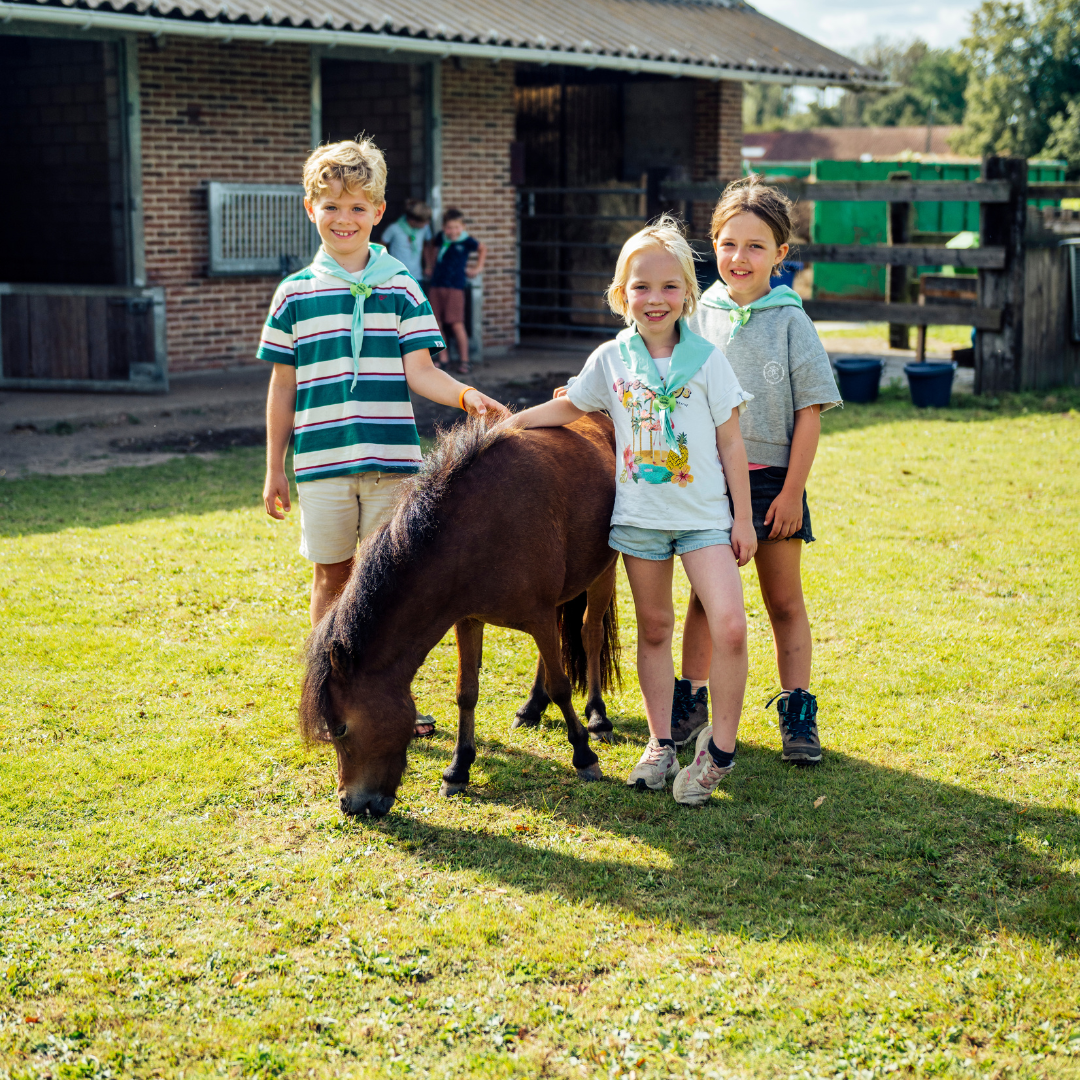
{"x":885,"y":852}
{"x":191,"y":485}
{"x":894,"y":405}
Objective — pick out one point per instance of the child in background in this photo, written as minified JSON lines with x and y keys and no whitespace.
{"x":342,"y":395}
{"x":406,"y":238}
{"x":446,"y":261}
{"x":776,"y":354}
{"x":675,"y":405}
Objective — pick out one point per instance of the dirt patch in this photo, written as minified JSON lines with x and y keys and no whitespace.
{"x":202,"y":441}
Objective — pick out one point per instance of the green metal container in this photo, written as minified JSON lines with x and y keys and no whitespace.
{"x":865,"y":222}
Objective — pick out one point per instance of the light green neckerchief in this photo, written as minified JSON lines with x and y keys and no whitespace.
{"x":381,"y":267}
{"x":446,"y":243}
{"x":716,"y":296}
{"x":412,"y":234}
{"x":690,"y":353}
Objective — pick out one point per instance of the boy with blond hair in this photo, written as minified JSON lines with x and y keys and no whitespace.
{"x":349,"y":337}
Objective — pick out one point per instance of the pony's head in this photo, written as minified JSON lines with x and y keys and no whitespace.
{"x":356,"y":689}
{"x":367,"y":716}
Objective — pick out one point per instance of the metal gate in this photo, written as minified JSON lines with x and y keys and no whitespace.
{"x":568,"y":241}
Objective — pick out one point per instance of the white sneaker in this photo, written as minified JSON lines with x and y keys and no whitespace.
{"x":656,"y":766}
{"x":699,"y":779}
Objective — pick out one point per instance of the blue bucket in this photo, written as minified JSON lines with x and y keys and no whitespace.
{"x":859,"y":377}
{"x":931,"y":384}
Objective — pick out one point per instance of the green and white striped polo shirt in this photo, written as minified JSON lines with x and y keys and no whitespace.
{"x":340,"y":429}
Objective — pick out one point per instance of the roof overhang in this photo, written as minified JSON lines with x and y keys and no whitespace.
{"x":398,"y":44}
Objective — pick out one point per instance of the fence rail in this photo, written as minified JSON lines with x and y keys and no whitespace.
{"x":989,"y":258}
{"x":902,"y":191}
{"x":982,"y":318}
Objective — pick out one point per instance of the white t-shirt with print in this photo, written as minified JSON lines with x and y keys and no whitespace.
{"x":658,"y":487}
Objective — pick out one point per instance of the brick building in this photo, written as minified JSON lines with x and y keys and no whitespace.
{"x":145,"y":109}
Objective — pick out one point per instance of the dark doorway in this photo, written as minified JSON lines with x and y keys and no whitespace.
{"x":62,"y":133}
{"x":389,"y":103}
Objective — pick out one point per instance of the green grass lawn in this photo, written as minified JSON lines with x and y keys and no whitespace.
{"x":181,"y":897}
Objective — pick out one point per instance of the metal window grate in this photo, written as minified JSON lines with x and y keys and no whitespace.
{"x":259,"y":229}
{"x":1073,"y":247}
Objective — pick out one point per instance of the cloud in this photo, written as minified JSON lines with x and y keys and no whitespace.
{"x":846,"y":24}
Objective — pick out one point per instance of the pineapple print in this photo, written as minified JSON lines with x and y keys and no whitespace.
{"x":678,"y":462}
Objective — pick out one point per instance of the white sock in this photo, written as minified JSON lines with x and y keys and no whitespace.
{"x":697,"y":684}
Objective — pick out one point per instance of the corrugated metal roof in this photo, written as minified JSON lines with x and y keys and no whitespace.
{"x":725,"y":37}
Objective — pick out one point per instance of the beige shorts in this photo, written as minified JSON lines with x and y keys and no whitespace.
{"x":339,"y":511}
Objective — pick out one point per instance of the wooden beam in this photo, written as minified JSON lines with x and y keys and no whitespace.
{"x":992,"y":258}
{"x":910,"y":314}
{"x":1050,"y":190}
{"x":862,"y":190}
{"x":998,"y":350}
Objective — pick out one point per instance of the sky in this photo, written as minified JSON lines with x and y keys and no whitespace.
{"x":845,"y":24}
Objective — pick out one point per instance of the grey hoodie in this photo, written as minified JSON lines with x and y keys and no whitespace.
{"x":778,"y":357}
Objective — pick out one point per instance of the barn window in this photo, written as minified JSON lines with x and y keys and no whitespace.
{"x":259,"y":229}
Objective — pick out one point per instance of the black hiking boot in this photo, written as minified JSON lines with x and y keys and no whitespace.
{"x":689,"y":712}
{"x":798,"y":726}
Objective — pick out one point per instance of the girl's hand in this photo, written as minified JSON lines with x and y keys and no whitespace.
{"x":560,"y":391}
{"x":785,"y":513}
{"x":743,"y":541}
{"x":477,"y":404}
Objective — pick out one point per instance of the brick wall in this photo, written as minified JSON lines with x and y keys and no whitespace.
{"x":717,"y":140}
{"x":477,"y":129}
{"x":210,"y":111}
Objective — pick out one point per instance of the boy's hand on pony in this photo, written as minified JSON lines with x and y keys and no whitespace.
{"x":743,"y":541}
{"x":276,"y":496}
{"x":785,"y":513}
{"x":477,"y":404}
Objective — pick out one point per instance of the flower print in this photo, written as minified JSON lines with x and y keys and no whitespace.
{"x":631,"y":466}
{"x":682,"y":478}
{"x":652,"y":424}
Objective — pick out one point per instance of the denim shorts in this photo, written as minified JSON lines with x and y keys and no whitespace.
{"x":660,"y":544}
{"x":765,"y":485}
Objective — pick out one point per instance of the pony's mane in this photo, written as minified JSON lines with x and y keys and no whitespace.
{"x":352,"y":622}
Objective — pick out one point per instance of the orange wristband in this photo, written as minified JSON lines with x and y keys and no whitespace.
{"x":461,"y":398}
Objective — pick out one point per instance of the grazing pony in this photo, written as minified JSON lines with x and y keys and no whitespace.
{"x":501,"y":527}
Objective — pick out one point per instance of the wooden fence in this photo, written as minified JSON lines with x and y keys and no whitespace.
{"x":1022,"y":335}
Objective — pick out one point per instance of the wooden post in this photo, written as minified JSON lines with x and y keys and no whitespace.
{"x":898,"y":231}
{"x":998,"y":353}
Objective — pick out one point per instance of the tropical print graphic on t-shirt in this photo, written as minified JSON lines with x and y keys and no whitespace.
{"x":649,"y":457}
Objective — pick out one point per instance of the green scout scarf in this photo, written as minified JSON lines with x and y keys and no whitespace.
{"x":689,"y":355}
{"x":446,"y":243}
{"x":716,"y":296}
{"x":411,"y":234}
{"x":381,"y":267}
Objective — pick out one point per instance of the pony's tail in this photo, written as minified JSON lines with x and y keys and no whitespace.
{"x":574,"y":657}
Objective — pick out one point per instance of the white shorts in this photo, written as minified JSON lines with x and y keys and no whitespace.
{"x":338,"y":511}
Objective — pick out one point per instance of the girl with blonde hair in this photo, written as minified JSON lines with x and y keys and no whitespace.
{"x":675,"y":404}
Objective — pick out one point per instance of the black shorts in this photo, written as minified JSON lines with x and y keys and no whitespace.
{"x":765,"y":485}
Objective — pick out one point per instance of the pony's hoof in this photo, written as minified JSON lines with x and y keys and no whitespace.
{"x":602,"y":736}
{"x":449,"y":789}
{"x":591,"y":772}
{"x":524,"y":721}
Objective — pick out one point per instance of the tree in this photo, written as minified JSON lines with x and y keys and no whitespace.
{"x":1064,"y":141}
{"x":932,"y":81}
{"x":1025,"y":70}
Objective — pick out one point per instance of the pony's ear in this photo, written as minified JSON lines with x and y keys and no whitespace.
{"x":340,"y":660}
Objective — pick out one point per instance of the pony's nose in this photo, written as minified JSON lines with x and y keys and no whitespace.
{"x":374,"y":804}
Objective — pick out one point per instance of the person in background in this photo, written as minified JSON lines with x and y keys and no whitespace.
{"x":406,"y":238}
{"x":446,"y":261}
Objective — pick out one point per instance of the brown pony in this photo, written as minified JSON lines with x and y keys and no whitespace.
{"x":501,"y":527}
